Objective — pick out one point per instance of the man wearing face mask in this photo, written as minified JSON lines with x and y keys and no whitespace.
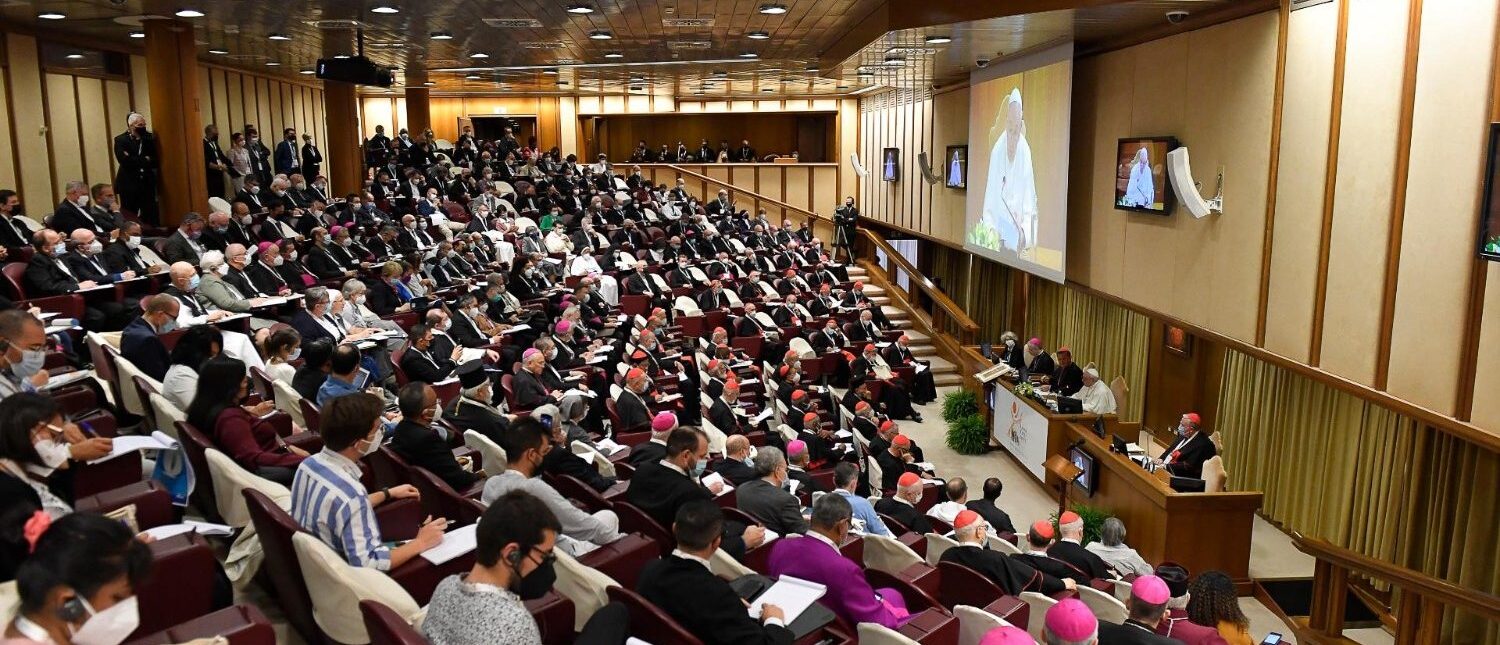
{"x":661,"y":487}
{"x":1190,"y":449}
{"x":526,"y":445}
{"x":183,"y":245}
{"x":124,"y":254}
{"x":13,"y":233}
{"x":49,"y":274}
{"x":766,"y":498}
{"x":288,"y":160}
{"x":421,"y":363}
{"x":24,"y":353}
{"x":195,"y":309}
{"x":474,"y":409}
{"x":423,"y":444}
{"x":260,"y":156}
{"x":1010,"y":574}
{"x":329,"y":501}
{"x":262,"y":274}
{"x":137,"y":165}
{"x":140,"y":342}
{"x":86,"y":262}
{"x":73,"y":212}
{"x":736,"y":466}
{"x":216,"y":286}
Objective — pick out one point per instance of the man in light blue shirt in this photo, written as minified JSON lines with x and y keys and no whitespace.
{"x":845,"y":478}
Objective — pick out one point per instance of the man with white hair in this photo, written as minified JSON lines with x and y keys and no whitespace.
{"x":1011,"y":575}
{"x":1096,"y":396}
{"x":1070,"y":549}
{"x":1140,"y":192}
{"x":766,"y":500}
{"x":195,"y":309}
{"x":1192,"y":447}
{"x":1010,"y":203}
{"x":136,"y":168}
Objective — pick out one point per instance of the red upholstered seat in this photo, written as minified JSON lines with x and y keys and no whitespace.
{"x":960,"y":585}
{"x":386,"y":627}
{"x":241,"y":624}
{"x":650,"y":623}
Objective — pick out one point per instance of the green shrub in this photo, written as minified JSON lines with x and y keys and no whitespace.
{"x":1093,"y":520}
{"x":968,"y":435}
{"x":959,"y":404}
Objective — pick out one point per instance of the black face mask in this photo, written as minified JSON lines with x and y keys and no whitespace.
{"x":537,"y":583}
{"x":141,"y":131}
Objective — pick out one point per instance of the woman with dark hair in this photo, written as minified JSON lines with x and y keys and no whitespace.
{"x":1213,"y":603}
{"x":36,"y":441}
{"x":245,"y":434}
{"x":78,"y":586}
{"x":282,"y":347}
{"x":198,"y":344}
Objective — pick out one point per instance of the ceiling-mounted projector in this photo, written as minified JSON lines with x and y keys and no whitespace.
{"x":355,"y":69}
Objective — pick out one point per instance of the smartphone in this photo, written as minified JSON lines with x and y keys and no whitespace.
{"x":546,"y":420}
{"x":361,"y":378}
{"x":1272,"y":638}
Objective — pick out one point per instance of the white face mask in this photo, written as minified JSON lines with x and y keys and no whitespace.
{"x":96,"y":248}
{"x":133,"y":242}
{"x":222,"y":270}
{"x":109,"y":627}
{"x":447,"y":324}
{"x":372,"y":445}
{"x":291,"y":256}
{"x":277,"y":262}
{"x":246,"y":220}
{"x":82,"y":201}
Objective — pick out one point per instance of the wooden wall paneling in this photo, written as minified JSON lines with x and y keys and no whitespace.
{"x":83,"y":159}
{"x":1400,"y":175}
{"x":1449,"y":120}
{"x":220,"y":117}
{"x":266,"y":114}
{"x":10,"y":157}
{"x":1480,"y":347}
{"x":377,"y":111}
{"x":1330,"y":182}
{"x":62,"y":130}
{"x":116,"y":102}
{"x":1300,"y":181}
{"x":567,"y":117}
{"x":1361,"y":200}
{"x":1283,"y":20}
{"x":547,"y":122}
{"x":93,"y":124}
{"x":28,"y":118}
{"x":140,"y":89}
{"x":205,"y":96}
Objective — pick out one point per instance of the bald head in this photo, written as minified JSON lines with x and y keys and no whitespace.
{"x":737,"y":447}
{"x":181,"y":270}
{"x":218,"y":220}
{"x":82,"y":237}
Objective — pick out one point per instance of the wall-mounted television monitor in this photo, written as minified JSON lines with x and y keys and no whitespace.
{"x":1141,"y":175}
{"x":1088,"y":480}
{"x":1489,"y":215}
{"x":890,"y":164}
{"x":956,"y":167}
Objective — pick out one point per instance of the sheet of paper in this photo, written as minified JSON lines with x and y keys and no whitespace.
{"x":125,"y":444}
{"x":516,"y":328}
{"x":791,"y":486}
{"x":271,"y":302}
{"x":710,"y":479}
{"x":792,"y":595}
{"x":918,"y":368}
{"x":669,"y":398}
{"x":57,"y":329}
{"x":765,"y":414}
{"x":883,"y":345}
{"x":588,"y":394}
{"x":598,"y":359}
{"x":844,"y":434}
{"x":97,"y":287}
{"x":682,"y":377}
{"x":471,"y":354}
{"x":59,"y":380}
{"x":608,"y":446}
{"x":47,"y":315}
{"x":926,"y":465}
{"x":455,"y":543}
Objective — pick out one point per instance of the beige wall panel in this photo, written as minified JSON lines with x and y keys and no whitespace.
{"x":219,"y":88}
{"x":1096,"y":232}
{"x":637,"y":103}
{"x":741,"y":106}
{"x":663,"y":104}
{"x":30,"y":122}
{"x":1300,"y":179}
{"x":140,"y":85}
{"x":1448,"y":134}
{"x":769,"y":106}
{"x":235,"y":96}
{"x":377,"y":111}
{"x":825,"y":190}
{"x":690,"y":106}
{"x":848,"y":124}
{"x":7,"y":160}
{"x":567,"y":114}
{"x":796,"y":104}
{"x":612,"y":104}
{"x":62,"y":119}
{"x":205,"y":96}
{"x":1486,"y":412}
{"x":824,"y":104}
{"x":321,"y":119}
{"x":1362,"y":194}
{"x":99,"y":144}
{"x":401,"y":115}
{"x":588,"y":105}
{"x":716,"y":106}
{"x":798,"y":179}
{"x":721,"y":173}
{"x":117,"y":94}
{"x":265,"y":112}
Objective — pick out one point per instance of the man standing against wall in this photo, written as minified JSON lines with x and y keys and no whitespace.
{"x":135,"y":180}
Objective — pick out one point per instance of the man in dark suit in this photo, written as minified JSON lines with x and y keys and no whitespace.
{"x":713,"y":297}
{"x":733,"y":466}
{"x":655,"y":448}
{"x":659,"y":489}
{"x":830,"y":339}
{"x":764,"y":499}
{"x":474,"y":409}
{"x":312,"y":158}
{"x":216,"y":161}
{"x":13,"y":233}
{"x":1011,"y":575}
{"x":73,"y":212}
{"x":1146,"y":609}
{"x":140,"y":342}
{"x":682,"y":585}
{"x":745,"y":154}
{"x":1067,"y":378}
{"x":316,"y":364}
{"x":136,"y":168}
{"x":418,"y":361}
{"x":721,"y":411}
{"x":1070,"y":549}
{"x":798,"y":456}
{"x":1041,"y":362}
{"x":1036,"y":553}
{"x":989,"y":510}
{"x":528,"y":385}
{"x":182,"y":245}
{"x":124,"y":253}
{"x":421,"y":443}
{"x":1193,"y":446}
{"x":86,"y":263}
{"x":903,"y":506}
{"x":631,"y":406}
{"x":48,"y":274}
{"x":288,"y":160}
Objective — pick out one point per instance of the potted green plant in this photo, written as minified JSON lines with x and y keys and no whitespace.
{"x":959,"y":404}
{"x":1093,"y":520}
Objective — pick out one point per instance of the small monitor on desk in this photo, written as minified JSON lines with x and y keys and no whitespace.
{"x":1187,"y":484}
{"x":1086,"y":480}
{"x":1118,"y":444}
{"x":1069,"y":405}
{"x":987,"y":350}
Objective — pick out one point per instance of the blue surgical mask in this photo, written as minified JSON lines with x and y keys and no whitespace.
{"x":59,"y":248}
{"x":699,"y":467}
{"x":167,"y":327}
{"x":31,"y":362}
{"x":193,"y":283}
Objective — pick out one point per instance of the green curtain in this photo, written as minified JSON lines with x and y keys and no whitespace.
{"x":1097,"y":331}
{"x":1365,"y":478}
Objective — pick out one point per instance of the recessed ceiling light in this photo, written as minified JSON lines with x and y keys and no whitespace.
{"x":600,"y":34}
{"x":749,"y":55}
{"x":773,"y":9}
{"x":189,"y":13}
{"x":441,"y":35}
{"x":758,"y":35}
{"x":429,"y":83}
{"x":220,"y":52}
{"x":635,"y":88}
{"x":272,"y":63}
{"x":562,"y":81}
{"x":473,"y":77}
{"x":137,"y":34}
{"x":718,"y":73}
{"x":340,"y":56}
{"x":866,"y":74}
{"x":479,"y":55}
{"x":580,"y":9}
{"x":939,"y":40}
{"x":811,"y":68}
{"x":307,"y":71}
{"x":614,"y":55}
{"x":895,"y":61}
{"x":279,"y":37}
{"x":552,"y":72}
{"x":75,"y":56}
{"x":52,"y":15}
{"x":385,"y":8}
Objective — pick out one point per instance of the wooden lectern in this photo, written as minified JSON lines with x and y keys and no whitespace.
{"x":1064,"y":469}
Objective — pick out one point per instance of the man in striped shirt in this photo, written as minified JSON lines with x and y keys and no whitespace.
{"x":329,"y":501}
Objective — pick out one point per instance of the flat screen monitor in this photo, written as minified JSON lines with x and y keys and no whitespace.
{"x":1187,"y":484}
{"x":956,"y":167}
{"x":1086,"y":481}
{"x":890,"y":164}
{"x":1141,"y":175}
{"x":1489,"y":214}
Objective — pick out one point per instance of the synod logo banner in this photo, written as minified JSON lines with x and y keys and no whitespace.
{"x":1022,"y":430}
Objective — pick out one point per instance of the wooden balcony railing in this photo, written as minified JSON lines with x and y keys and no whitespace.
{"x":1420,"y":599}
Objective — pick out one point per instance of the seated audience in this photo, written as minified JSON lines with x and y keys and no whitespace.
{"x":78,"y":585}
{"x":815,"y":557}
{"x":1010,"y":574}
{"x":1214,"y":603}
{"x":243,"y":433}
{"x":736,"y":466}
{"x":765,"y":499}
{"x":1146,"y":609}
{"x":902,"y":506}
{"x":1193,"y":446}
{"x":798,"y":458}
{"x":845,"y":480}
{"x":988,"y":509}
{"x":316,"y":355}
{"x":194,"y":348}
{"x":282,"y":347}
{"x":1112,"y":549}
{"x":36,"y":442}
{"x":683,"y":585}
{"x":474,"y":408}
{"x":1070,"y":622}
{"x":141,"y":344}
{"x":955,"y":500}
{"x":660,"y":488}
{"x":422,"y":443}
{"x":23,"y":361}
{"x":1096,"y":396}
{"x":1034,"y":553}
{"x":1069,"y":548}
{"x":1176,"y":622}
{"x":526,"y":444}
{"x":329,"y":501}
{"x":655,"y":448}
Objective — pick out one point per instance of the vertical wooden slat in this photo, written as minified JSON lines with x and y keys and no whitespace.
{"x":1270,"y":223}
{"x":1398,"y":192}
{"x":83,"y":157}
{"x":1468,"y":366}
{"x":1330,"y":182}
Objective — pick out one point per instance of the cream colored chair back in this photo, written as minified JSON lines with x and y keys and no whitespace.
{"x":803,"y":348}
{"x":1122,"y":590}
{"x":875,"y":634}
{"x":1038,"y":605}
{"x":1105,"y":606}
{"x":491,"y":455}
{"x":716,"y":437}
{"x":877,"y":476}
{"x":504,"y":188}
{"x":765,"y":320}
{"x":167,"y":414}
{"x":686,"y":306}
{"x":601,"y":462}
{"x":734,"y":298}
{"x":1214,"y":475}
{"x":974,"y":623}
{"x":336,"y":588}
{"x":1003,"y":546}
{"x":1118,"y":387}
{"x":888,"y":555}
{"x":288,"y":401}
{"x":936,"y":545}
{"x":586,"y":586}
{"x":132,"y":403}
{"x":230,"y":480}
{"x":219,"y":205}
{"x":698,"y":274}
{"x":524,"y":224}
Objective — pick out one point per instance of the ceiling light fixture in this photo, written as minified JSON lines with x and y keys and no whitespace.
{"x":479,"y":55}
{"x":429,"y":83}
{"x":279,"y":37}
{"x":614,"y":55}
{"x":272,"y":63}
{"x":842,"y":87}
{"x":441,"y":35}
{"x":552,"y":72}
{"x":473,"y":77}
{"x":580,"y":9}
{"x":137,"y":34}
{"x":600,"y":34}
{"x":75,"y":56}
{"x":52,"y":15}
{"x":767,"y":89}
{"x":307,"y":71}
{"x":385,"y":8}
{"x":189,"y":13}
{"x":773,"y":9}
{"x":749,"y":55}
{"x":698,"y":93}
{"x":758,"y":35}
{"x":340,"y":56}
{"x":219,"y":52}
{"x":939,"y":40}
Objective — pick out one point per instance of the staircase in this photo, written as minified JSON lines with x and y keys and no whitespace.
{"x":944,"y":372}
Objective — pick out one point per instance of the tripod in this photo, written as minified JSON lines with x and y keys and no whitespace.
{"x":842,"y":224}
